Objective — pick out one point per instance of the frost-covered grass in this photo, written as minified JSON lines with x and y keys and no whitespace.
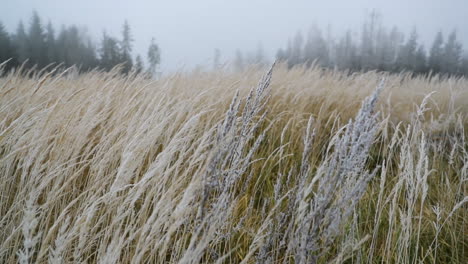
{"x":303,"y":166}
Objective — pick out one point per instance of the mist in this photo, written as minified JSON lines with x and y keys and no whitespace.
{"x":242,"y":131}
{"x":188,"y":32}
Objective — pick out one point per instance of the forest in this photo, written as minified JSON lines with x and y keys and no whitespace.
{"x":36,"y":45}
{"x":374,"y":47}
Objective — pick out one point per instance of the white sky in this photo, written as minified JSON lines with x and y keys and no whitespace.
{"x":189,"y":31}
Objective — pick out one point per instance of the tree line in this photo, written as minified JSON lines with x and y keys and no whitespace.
{"x":39,"y":46}
{"x":376,"y":48}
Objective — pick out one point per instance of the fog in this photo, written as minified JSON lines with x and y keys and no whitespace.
{"x":189,"y":31}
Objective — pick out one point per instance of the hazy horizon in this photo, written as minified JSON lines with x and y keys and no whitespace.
{"x":188,"y":32}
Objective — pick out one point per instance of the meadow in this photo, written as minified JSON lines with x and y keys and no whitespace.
{"x":260,"y":166}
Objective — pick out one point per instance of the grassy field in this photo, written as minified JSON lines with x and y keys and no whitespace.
{"x":285,"y":166}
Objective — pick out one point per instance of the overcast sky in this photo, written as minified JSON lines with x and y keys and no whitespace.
{"x":189,"y":31}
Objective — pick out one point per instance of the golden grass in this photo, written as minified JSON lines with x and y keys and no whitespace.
{"x":106,"y":168}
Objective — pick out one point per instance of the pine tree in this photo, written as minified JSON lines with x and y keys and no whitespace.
{"x":139,"y":67}
{"x":154,"y":57}
{"x":60,"y":45}
{"x":407,"y":56}
{"x":37,"y":42}
{"x":289,"y":53}
{"x":368,"y":41}
{"x":6,"y":48}
{"x":382,"y":48}
{"x":315,"y":48}
{"x":464,"y":65}
{"x":74,"y":47}
{"x":395,"y":43}
{"x":20,"y":41}
{"x":50,"y":43}
{"x":70,"y":40}
{"x":89,"y":59}
{"x":452,"y":52}
{"x":346,"y":53}
{"x":420,"y":63}
{"x":126,"y":46}
{"x":109,"y":52}
{"x":296,"y":49}
{"x":436,"y":53}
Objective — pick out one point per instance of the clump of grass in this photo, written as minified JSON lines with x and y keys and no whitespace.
{"x":306,"y":166}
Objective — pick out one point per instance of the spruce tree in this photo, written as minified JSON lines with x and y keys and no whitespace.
{"x":464,"y":65}
{"x":50,"y":43}
{"x":315,"y":48}
{"x":126,"y":47}
{"x":420,"y":63}
{"x":436,"y":53}
{"x":20,"y":41}
{"x":109,"y":52}
{"x":407,"y":56}
{"x":139,"y":67}
{"x":296,"y":50}
{"x":37,"y":42}
{"x":154,"y":57}
{"x":6,"y":48}
{"x":451,"y":54}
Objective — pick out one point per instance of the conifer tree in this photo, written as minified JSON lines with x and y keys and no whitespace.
{"x":315,"y":48}
{"x":126,"y":46}
{"x":452,"y":52}
{"x":295,"y":57}
{"x":109,"y":52}
{"x":37,"y":42}
{"x":436,"y":53}
{"x":407,"y":56}
{"x":50,"y":43}
{"x":420,"y":63}
{"x":6,"y":48}
{"x":20,"y":41}
{"x":139,"y":66}
{"x":154,"y":57}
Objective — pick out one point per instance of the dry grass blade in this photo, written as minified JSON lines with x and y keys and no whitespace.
{"x":308,"y":166}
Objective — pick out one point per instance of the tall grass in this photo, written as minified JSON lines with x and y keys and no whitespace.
{"x":303,"y":166}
